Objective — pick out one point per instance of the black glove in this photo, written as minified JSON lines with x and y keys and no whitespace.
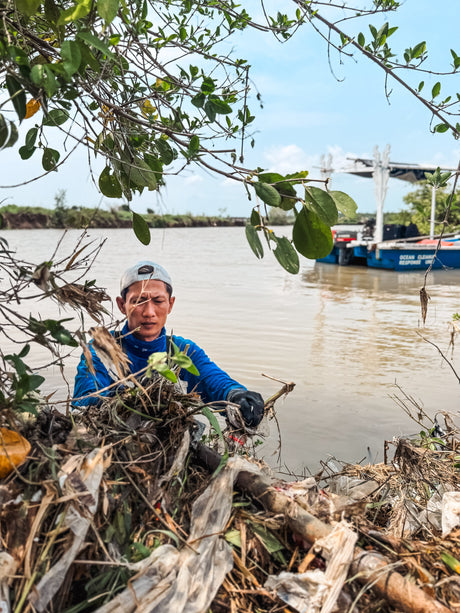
{"x":251,"y":405}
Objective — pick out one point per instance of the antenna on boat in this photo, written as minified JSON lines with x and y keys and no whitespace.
{"x":381,"y":174}
{"x":381,"y":169}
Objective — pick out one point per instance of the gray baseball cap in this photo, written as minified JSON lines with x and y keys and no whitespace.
{"x":144,"y":271}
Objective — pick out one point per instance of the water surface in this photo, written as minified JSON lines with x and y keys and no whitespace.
{"x":348,"y":337}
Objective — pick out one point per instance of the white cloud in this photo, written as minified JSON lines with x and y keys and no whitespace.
{"x":289,"y":158}
{"x":193,"y":179}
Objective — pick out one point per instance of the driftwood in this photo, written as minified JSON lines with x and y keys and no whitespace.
{"x":369,"y":568}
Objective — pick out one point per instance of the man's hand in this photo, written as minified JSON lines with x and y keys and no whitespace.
{"x":251,"y":405}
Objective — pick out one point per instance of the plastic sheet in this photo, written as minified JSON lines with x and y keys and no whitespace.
{"x":187,"y":581}
{"x":85,"y":484}
{"x":450,"y":512}
{"x":317,"y":591}
{"x":8,"y":566}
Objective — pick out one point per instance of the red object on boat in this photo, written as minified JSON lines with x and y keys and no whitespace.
{"x":431,"y":241}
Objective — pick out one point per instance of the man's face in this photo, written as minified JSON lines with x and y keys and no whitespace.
{"x":147,"y":306}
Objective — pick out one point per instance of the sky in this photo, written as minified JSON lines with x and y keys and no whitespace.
{"x":308,"y":111}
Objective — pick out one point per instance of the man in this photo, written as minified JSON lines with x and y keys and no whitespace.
{"x":146,"y":299}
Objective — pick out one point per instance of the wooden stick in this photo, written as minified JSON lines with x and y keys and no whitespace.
{"x":368,"y":567}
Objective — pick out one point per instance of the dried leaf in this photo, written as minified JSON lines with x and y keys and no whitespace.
{"x":424,"y":297}
{"x":14,"y":449}
{"x":110,"y":352}
{"x":32,"y":107}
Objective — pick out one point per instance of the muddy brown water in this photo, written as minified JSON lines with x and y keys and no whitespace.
{"x":350,"y":338}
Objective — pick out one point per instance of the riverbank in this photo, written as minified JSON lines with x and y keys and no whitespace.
{"x":22,"y":218}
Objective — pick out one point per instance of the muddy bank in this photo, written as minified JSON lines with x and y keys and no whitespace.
{"x":81,"y":218}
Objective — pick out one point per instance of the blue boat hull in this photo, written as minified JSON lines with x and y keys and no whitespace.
{"x":400,"y":259}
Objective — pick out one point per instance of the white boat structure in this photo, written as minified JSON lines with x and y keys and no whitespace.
{"x":390,"y":247}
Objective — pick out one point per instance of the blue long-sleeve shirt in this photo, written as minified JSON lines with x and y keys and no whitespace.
{"x":211,"y":384}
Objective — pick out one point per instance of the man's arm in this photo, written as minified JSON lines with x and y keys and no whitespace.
{"x":213,"y":384}
{"x":87,"y":383}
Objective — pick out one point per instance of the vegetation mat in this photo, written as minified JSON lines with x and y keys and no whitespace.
{"x":103,"y":509}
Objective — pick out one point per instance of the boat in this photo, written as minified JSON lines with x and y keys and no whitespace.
{"x":353,"y":247}
{"x":391,"y":246}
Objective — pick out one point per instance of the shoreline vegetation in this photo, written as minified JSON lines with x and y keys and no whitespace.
{"x":14,"y":217}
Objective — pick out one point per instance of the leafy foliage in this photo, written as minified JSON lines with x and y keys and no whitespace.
{"x":150,"y":87}
{"x":19,"y":383}
{"x":419,"y":202}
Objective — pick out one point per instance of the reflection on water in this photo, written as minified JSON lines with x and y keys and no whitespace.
{"x":344,"y":335}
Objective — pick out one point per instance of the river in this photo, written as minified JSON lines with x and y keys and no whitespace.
{"x":350,"y":338}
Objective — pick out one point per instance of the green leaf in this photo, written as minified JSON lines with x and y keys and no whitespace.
{"x":269,"y":540}
{"x":24,"y":351}
{"x":286,"y":255}
{"x":344,"y":203}
{"x":312,"y":238}
{"x":255,"y":218}
{"x":198,"y":100}
{"x":220,"y":106}
{"x":207,"y":86}
{"x":284,"y":188}
{"x":108,"y":9}
{"x":18,"y":364}
{"x":3,"y":131}
{"x":382,"y":33}
{"x":267,"y":193}
{"x":210,"y":111}
{"x":155,"y":164}
{"x":31,"y":137}
{"x":71,"y":56}
{"x":14,"y":135}
{"x":158,"y":361}
{"x":109,"y":184}
{"x":95,"y":42}
{"x":50,"y":158}
{"x":27,"y":7}
{"x":206,"y":411}
{"x":254,"y":241}
{"x":18,"y":96}
{"x":321,"y":203}
{"x":419,"y":49}
{"x":141,"y":229}
{"x":140,"y":174}
{"x":32,"y":382}
{"x":233,"y":537}
{"x":56,"y":117}
{"x":51,"y":12}
{"x":194,"y":146}
{"x":88,"y":59}
{"x":183,"y":361}
{"x":165,"y":150}
{"x":64,"y":337}
{"x":18,"y":55}
{"x":436,"y":90}
{"x":43,"y":76}
{"x":73,"y":13}
{"x":450,"y":561}
{"x":26,"y":152}
{"x":441,"y":127}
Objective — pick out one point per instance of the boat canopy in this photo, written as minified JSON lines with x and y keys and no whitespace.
{"x":381,"y":169}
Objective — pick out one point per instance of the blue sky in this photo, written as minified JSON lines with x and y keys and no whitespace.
{"x":307,"y":112}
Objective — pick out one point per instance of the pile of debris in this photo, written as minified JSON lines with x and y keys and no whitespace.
{"x":127,"y":506}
